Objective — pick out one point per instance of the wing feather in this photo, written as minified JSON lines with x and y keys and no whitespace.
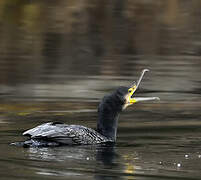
{"x":66,"y":134}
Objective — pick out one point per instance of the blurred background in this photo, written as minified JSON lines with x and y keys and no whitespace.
{"x":81,"y":48}
{"x":59,"y":58}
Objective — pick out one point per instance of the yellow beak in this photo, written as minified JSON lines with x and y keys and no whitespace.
{"x":129,"y":97}
{"x":131,"y":100}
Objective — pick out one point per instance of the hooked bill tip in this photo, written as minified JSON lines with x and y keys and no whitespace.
{"x":157,"y":98}
{"x":146,"y":70}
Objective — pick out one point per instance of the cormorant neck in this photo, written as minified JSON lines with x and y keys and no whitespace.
{"x":108,"y":114}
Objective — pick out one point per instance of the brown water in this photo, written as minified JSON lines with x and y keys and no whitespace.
{"x":59,"y":58}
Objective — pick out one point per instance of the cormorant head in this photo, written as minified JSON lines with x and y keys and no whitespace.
{"x":111,"y":105}
{"x":127,"y":94}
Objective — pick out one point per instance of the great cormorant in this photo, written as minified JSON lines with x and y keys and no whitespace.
{"x":56,"y":134}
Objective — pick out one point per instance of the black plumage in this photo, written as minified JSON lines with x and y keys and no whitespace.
{"x":55,"y":134}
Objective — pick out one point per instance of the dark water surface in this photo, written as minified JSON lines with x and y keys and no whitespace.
{"x":155,"y":141}
{"x":59,"y":58}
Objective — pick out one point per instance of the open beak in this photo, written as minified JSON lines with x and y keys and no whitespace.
{"x":129,"y":97}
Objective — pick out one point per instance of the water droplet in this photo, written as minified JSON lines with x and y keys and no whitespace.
{"x":87,"y":158}
{"x":186,"y":156}
{"x":199,"y":156}
{"x":179,"y":165}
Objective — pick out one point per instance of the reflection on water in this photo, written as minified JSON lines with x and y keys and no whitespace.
{"x":152,"y":143}
{"x":79,"y":49}
{"x":59,"y":58}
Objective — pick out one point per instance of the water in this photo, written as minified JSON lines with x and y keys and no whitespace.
{"x":58,"y":59}
{"x":152,"y":143}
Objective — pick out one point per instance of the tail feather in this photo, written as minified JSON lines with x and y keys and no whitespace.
{"x":35,"y":143}
{"x":19,"y":144}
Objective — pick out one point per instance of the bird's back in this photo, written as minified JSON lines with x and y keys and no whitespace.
{"x":55,"y":134}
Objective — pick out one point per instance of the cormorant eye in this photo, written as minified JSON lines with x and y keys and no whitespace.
{"x":129,"y":91}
